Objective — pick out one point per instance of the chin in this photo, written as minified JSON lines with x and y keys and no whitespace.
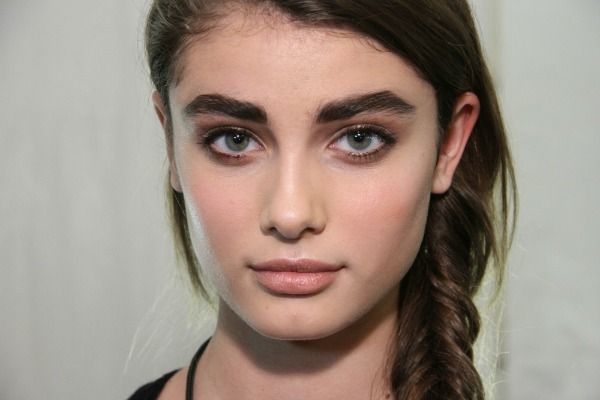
{"x":297,"y":333}
{"x":299,"y":326}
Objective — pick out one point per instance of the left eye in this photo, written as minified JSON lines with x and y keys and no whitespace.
{"x":231,"y":141}
{"x":362,"y":140}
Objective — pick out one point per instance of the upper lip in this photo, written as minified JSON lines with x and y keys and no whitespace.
{"x":295,"y":265}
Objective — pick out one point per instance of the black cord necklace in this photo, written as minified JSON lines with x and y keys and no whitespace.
{"x":189,"y":387}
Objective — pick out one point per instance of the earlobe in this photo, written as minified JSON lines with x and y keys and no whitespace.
{"x":464,"y":117}
{"x":161,"y":113}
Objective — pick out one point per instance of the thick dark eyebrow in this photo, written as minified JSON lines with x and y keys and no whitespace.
{"x":219,"y":104}
{"x":384,"y":101}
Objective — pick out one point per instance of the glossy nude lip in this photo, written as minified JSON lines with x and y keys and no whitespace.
{"x":295,"y":276}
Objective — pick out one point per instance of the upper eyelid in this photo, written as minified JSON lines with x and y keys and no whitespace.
{"x":211,"y":134}
{"x":387,"y":137}
{"x":384,"y":133}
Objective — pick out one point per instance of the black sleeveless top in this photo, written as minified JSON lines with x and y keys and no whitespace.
{"x":151,"y":391}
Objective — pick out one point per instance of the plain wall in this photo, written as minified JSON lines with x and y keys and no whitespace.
{"x":549,"y":63}
{"x":90,"y":303}
{"x":85,"y":249}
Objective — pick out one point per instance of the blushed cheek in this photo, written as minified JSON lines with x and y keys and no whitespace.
{"x":388,"y":219}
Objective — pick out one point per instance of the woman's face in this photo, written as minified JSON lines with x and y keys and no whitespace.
{"x":306,"y":157}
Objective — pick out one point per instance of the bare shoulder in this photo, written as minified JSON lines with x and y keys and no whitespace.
{"x":175,"y":387}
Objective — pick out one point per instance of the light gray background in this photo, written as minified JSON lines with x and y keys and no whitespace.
{"x":90,"y":305}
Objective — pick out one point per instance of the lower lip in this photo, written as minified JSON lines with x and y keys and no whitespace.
{"x":295,"y":283}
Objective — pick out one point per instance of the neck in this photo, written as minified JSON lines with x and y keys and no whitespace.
{"x":240,"y":363}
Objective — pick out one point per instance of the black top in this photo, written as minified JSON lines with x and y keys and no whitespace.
{"x":151,"y":391}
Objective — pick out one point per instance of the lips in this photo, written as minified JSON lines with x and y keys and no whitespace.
{"x":295,"y":276}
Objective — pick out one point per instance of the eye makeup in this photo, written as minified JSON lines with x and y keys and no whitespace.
{"x":364,"y":143}
{"x":356,"y":144}
{"x":229,"y":143}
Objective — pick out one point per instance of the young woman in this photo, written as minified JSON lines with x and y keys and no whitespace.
{"x":334,"y":167}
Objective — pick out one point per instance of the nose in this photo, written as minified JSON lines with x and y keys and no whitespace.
{"x":294,"y":203}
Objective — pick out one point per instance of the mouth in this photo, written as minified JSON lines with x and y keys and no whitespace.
{"x":295,"y":276}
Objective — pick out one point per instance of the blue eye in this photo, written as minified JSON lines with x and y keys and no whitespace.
{"x":363,"y":140}
{"x":230,"y":141}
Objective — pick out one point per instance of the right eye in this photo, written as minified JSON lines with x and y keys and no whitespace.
{"x":230,"y":141}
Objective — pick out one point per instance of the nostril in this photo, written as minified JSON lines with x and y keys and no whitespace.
{"x":283,"y":237}
{"x":292,"y":204}
{"x":293,"y":226}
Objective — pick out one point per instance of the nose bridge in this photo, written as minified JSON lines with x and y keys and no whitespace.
{"x":294,"y":204}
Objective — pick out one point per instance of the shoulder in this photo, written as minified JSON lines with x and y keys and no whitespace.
{"x":175,"y":387}
{"x":171,"y":386}
{"x":168,"y":386}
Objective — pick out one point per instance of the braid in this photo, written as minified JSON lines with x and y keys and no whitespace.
{"x":438,"y":321}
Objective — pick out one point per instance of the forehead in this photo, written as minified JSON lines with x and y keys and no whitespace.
{"x":265,"y":57}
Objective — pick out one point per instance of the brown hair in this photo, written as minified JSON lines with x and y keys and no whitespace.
{"x":467,"y":227}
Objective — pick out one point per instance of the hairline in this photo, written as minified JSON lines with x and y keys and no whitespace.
{"x":273,"y":16}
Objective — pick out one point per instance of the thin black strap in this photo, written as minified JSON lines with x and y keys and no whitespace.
{"x":189,"y":388}
{"x":152,"y":390}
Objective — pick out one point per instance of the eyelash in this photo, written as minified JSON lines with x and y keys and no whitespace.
{"x":387,"y":139}
{"x":211,"y":136}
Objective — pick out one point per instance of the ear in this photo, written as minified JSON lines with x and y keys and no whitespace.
{"x":464,"y":117}
{"x":163,"y":117}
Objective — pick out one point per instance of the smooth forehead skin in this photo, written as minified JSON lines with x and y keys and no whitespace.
{"x":245,"y":45}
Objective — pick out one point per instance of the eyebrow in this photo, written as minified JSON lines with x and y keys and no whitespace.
{"x":382,"y":101}
{"x":224,"y":105}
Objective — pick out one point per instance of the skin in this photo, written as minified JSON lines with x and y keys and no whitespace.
{"x":296,"y":192}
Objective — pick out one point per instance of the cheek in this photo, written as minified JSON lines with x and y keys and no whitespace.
{"x":218,"y":218}
{"x":385,"y":218}
{"x":220,"y":214}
